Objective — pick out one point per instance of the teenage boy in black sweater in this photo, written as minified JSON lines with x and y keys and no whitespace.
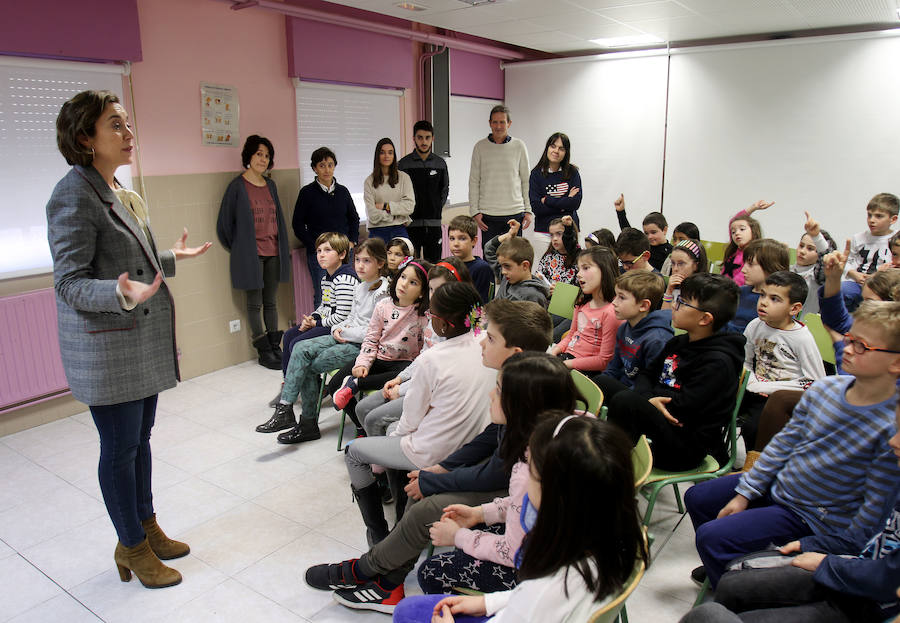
{"x":431,"y":183}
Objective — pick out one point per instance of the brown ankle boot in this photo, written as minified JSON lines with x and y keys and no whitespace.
{"x":146,"y":566}
{"x":164,"y":547}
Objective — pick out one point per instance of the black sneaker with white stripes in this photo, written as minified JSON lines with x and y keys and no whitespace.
{"x":370,"y":596}
{"x":334,"y":577}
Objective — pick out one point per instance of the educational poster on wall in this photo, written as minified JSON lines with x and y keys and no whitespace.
{"x":220,"y":113}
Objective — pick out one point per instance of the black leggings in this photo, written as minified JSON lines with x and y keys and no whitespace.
{"x":265,"y":298}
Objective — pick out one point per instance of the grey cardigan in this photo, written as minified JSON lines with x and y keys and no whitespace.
{"x":110,"y":355}
{"x":237,"y":233}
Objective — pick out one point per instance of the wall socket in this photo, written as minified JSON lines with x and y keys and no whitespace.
{"x":234,"y":326}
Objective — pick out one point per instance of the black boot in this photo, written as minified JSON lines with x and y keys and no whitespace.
{"x":397,"y":481}
{"x":369,"y":500}
{"x":267,"y":358}
{"x":281,"y":419}
{"x":384,"y":486}
{"x":275,"y":342}
{"x":305,"y":430}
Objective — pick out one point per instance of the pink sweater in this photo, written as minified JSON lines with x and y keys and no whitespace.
{"x":738,"y":258}
{"x":499,"y":548}
{"x":592,"y":338}
{"x":394,"y":334}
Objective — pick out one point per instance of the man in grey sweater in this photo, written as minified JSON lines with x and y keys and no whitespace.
{"x":498,"y":179}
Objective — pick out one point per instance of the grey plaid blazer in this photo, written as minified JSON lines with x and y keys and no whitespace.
{"x":110,"y":355}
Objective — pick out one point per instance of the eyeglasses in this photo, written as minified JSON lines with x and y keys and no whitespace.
{"x":859,"y":346}
{"x":679,"y":301}
{"x":629,"y":264}
{"x":431,"y":316}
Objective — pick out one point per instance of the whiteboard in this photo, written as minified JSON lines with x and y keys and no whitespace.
{"x":614,"y":114}
{"x":469,"y":123}
{"x":810,"y":125}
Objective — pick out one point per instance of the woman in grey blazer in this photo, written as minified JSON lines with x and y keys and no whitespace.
{"x":116,"y":319}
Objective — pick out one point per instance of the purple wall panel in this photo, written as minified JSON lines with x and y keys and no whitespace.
{"x":105,"y":30}
{"x":475,"y":75}
{"x":332,"y":53}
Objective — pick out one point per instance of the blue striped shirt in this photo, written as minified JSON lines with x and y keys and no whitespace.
{"x":831,"y":464}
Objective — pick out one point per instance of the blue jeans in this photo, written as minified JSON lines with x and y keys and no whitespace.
{"x":419,"y":608}
{"x":497,"y":226}
{"x":719,"y":541}
{"x":125,"y":464}
{"x":386,"y":233}
{"x":294,"y":335}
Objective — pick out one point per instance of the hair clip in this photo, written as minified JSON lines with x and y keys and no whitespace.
{"x":473,"y":319}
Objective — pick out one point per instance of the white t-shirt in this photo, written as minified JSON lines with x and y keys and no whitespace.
{"x":781,"y":358}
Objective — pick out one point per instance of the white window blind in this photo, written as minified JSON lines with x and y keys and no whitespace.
{"x":31,"y":93}
{"x":350,"y":121}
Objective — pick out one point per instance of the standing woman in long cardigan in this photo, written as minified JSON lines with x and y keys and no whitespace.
{"x":116,"y":319}
{"x":251,"y":226}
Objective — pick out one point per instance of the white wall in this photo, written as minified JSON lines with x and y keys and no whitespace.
{"x":807,"y":123}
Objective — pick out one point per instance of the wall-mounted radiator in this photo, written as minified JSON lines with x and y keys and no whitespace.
{"x":30,"y":366}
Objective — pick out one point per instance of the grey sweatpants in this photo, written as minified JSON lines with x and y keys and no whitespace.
{"x":360,"y":454}
{"x":375,"y":413}
{"x":395,"y":556}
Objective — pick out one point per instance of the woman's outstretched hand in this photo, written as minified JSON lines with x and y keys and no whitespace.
{"x":182,"y":251}
{"x":137,"y":291}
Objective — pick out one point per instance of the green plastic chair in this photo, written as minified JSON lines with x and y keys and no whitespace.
{"x":562,"y":303}
{"x":813,"y":322}
{"x":590,"y":391}
{"x":715,"y":251}
{"x":641,"y":461}
{"x":707,"y":470}
{"x":615,"y":609}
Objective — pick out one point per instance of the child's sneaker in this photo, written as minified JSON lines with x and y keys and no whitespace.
{"x":371,"y":596}
{"x":345,"y":393}
{"x":335,"y":576}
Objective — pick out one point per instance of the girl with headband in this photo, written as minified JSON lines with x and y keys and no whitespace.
{"x":687,"y":257}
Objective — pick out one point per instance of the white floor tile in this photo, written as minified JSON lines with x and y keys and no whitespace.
{"x":230,"y":602}
{"x":59,"y":510}
{"x":6,"y":550}
{"x":60,"y":608}
{"x":77,"y":555}
{"x":23,"y":587}
{"x":254,"y":473}
{"x":280,"y":576}
{"x":191,"y":503}
{"x":73,"y":464}
{"x":115,"y":601}
{"x":25,"y":482}
{"x":244,"y":535}
{"x":49,"y":439}
{"x":309,"y":501}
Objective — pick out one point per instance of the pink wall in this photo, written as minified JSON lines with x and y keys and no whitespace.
{"x":319,"y":51}
{"x":475,"y":75}
{"x":185,"y":43}
{"x":82,"y":29}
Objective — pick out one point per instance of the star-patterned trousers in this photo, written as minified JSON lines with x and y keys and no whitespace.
{"x":447,"y":571}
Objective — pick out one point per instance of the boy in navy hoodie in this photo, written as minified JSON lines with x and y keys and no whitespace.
{"x":646,"y":329}
{"x":683,"y":400}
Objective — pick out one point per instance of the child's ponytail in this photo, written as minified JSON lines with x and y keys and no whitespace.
{"x":457,"y":302}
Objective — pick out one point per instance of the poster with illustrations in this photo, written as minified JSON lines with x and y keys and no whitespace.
{"x":219,"y":112}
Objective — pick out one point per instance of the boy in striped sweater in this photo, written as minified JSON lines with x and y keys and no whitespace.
{"x":829,"y":469}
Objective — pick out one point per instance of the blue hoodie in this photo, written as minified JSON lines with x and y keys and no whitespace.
{"x":640,"y":345}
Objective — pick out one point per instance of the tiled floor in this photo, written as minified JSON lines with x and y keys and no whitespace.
{"x":255,"y":513}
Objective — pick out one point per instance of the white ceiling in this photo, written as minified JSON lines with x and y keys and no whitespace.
{"x":561,"y":26}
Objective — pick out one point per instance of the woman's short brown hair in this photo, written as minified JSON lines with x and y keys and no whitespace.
{"x":78,"y":118}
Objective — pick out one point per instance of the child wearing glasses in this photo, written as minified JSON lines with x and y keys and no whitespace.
{"x":829,"y":469}
{"x":781,"y":353}
{"x":683,"y":400}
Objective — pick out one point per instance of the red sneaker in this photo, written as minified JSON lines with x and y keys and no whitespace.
{"x":370,"y":596}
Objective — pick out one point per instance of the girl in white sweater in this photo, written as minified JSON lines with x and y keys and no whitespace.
{"x":388,"y":195}
{"x":447,"y":404}
{"x":584,"y":537}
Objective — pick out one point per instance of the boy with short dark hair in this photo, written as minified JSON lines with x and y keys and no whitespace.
{"x":830,"y":468}
{"x":323,"y":205}
{"x":633,"y":249}
{"x":431,"y":183}
{"x":643,"y":335}
{"x":655,"y":227}
{"x":762,"y":257}
{"x":781,"y":353}
{"x":684,"y":399}
{"x":462,"y":234}
{"x":472,"y":475}
{"x":511,"y":258}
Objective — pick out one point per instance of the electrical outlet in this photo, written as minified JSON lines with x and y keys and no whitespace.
{"x":234,"y":326}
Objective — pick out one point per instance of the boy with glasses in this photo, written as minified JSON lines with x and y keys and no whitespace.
{"x":683,"y":400}
{"x":829,"y":469}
